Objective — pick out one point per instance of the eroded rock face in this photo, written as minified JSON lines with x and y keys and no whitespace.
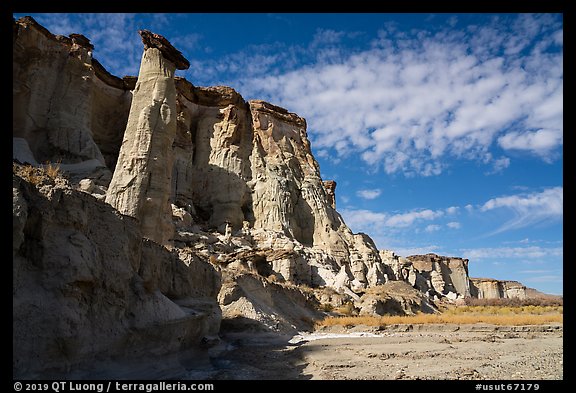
{"x":252,"y":303}
{"x":395,"y":298}
{"x":443,"y":274}
{"x":90,"y":295}
{"x":222,"y":160}
{"x":488,"y":288}
{"x":142,"y":182}
{"x":249,"y":166}
{"x":65,"y":105}
{"x":330,"y":186}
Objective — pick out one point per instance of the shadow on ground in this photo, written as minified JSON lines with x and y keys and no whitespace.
{"x":249,"y":351}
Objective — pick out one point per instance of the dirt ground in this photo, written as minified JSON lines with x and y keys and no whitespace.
{"x":445,"y":352}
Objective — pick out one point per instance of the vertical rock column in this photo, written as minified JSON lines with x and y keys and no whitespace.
{"x":141,"y":184}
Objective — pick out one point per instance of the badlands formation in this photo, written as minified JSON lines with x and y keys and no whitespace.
{"x":178,"y":209}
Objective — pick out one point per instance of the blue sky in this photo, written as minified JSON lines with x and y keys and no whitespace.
{"x":444,"y":132}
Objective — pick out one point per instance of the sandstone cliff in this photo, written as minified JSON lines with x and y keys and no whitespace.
{"x":489,"y":288}
{"x":441,"y":276}
{"x":66,"y":107}
{"x":249,"y":165}
{"x":90,"y":294}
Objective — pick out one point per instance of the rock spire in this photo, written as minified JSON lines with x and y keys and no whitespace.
{"x":141,"y":184}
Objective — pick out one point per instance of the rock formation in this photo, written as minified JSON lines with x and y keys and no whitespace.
{"x":489,"y":288}
{"x":142,"y":181}
{"x":330,"y":186}
{"x":443,"y":275}
{"x":252,"y":303}
{"x":249,"y":165}
{"x":395,"y":298}
{"x":89,"y":294}
{"x":66,"y":107}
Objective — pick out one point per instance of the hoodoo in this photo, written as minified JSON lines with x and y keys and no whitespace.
{"x":141,"y":184}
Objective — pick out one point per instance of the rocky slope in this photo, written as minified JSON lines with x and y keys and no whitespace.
{"x":169,"y":187}
{"x":89,"y":292}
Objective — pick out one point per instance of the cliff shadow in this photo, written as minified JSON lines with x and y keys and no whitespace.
{"x":250,"y":351}
{"x":303,"y":221}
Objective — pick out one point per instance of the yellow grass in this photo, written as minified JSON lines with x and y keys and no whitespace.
{"x":52,"y":170}
{"x":494,"y":319}
{"x":31,"y":174}
{"x":505,"y":310}
{"x":35,"y":175}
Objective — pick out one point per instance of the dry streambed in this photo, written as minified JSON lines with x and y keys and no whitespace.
{"x":398,"y":352}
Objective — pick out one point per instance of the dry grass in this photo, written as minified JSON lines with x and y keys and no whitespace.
{"x":505,"y":310}
{"x":52,"y":170}
{"x":514,"y":302}
{"x":31,"y":174}
{"x":515,"y":319}
{"x":495,"y":315}
{"x":36,"y":175}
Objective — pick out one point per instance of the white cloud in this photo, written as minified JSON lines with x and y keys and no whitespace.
{"x":539,"y":142}
{"x":407,"y":251}
{"x":413,"y":101}
{"x":453,"y":225}
{"x":407,"y":219}
{"x":529,"y":208}
{"x":327,"y":36}
{"x":537,"y":271}
{"x":432,"y":228}
{"x":531,"y":252}
{"x":549,"y":200}
{"x":498,"y":165}
{"x":406,"y":102}
{"x":360,"y":220}
{"x":369,"y":194}
{"x":364,"y":220}
{"x":452,"y":210}
{"x":186,"y":42}
{"x":546,"y":278}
